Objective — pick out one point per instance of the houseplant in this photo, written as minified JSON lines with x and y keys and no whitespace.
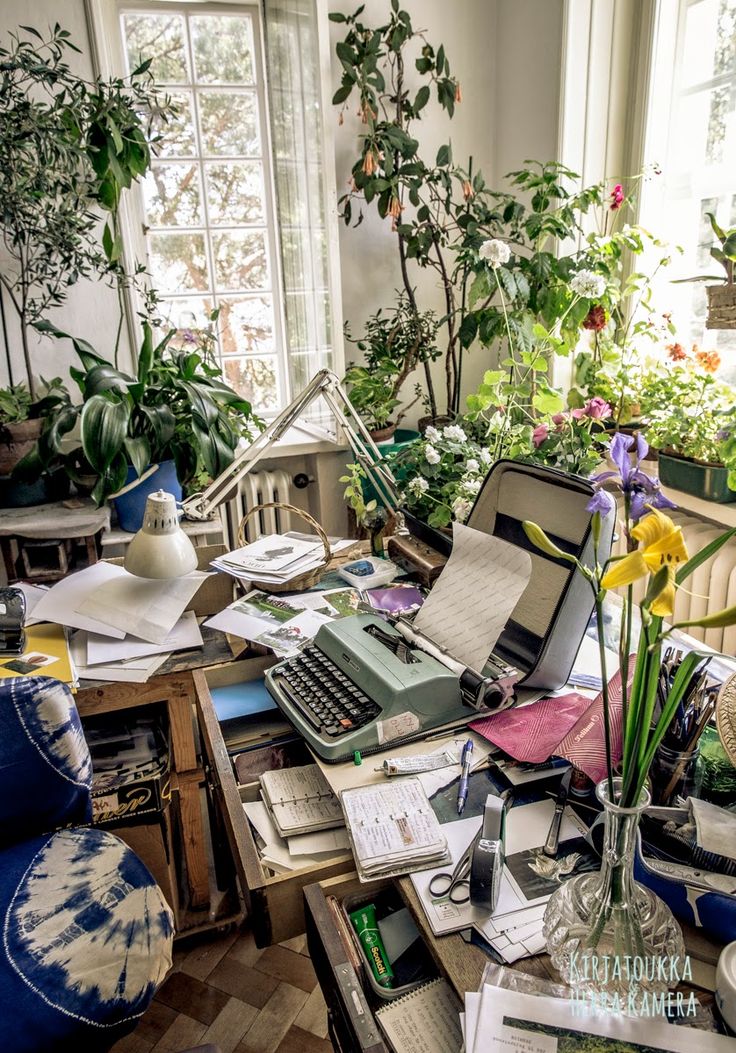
{"x":437,"y":208}
{"x":721,"y":297}
{"x":68,"y":148}
{"x":691,"y":418}
{"x":175,"y":413}
{"x":21,"y":419}
{"x":395,"y":343}
{"x":597,"y":924}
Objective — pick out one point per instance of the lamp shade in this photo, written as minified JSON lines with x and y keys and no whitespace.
{"x":160,"y":549}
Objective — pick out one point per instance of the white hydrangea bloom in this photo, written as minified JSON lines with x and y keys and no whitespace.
{"x":586,"y":283}
{"x":472,"y":465}
{"x":495,"y":252}
{"x":431,"y":434}
{"x":418,"y":486}
{"x":455,"y":433}
{"x":431,"y":454}
{"x":461,"y":509}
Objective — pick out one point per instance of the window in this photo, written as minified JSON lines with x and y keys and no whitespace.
{"x":238,"y":212}
{"x":692,"y":135}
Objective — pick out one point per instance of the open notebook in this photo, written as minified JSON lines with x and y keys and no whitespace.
{"x":300,"y":800}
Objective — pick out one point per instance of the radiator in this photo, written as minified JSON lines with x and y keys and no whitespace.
{"x":259,"y":488}
{"x":709,"y":589}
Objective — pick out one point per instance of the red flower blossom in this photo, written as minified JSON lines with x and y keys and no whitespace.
{"x":617,"y":197}
{"x":596,"y":318}
{"x":539,"y":434}
{"x":676,"y":352}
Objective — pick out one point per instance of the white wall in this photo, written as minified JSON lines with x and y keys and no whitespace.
{"x":91,"y":308}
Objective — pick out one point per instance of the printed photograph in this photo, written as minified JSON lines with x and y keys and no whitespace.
{"x":269,"y":609}
{"x":571,"y":1041}
{"x":30,"y":662}
{"x":536,"y":875}
{"x":345,"y":601}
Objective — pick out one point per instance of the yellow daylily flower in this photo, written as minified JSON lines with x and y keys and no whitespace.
{"x":662,"y":546}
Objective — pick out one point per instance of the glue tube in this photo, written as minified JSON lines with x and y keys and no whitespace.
{"x":364,"y":923}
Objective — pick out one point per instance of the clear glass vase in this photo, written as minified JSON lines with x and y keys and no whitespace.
{"x":608,"y":935}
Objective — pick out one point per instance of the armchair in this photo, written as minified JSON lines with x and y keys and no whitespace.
{"x":86,"y":932}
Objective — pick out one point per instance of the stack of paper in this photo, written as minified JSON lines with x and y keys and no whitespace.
{"x":128,"y":626}
{"x":273,"y":621}
{"x":515,"y":928}
{"x":284,"y":854}
{"x":393,"y":829}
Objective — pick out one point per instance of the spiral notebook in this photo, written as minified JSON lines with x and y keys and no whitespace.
{"x":426,"y":1020}
{"x":300,"y":800}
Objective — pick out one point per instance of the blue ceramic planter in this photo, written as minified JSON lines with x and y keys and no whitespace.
{"x":131,"y":506}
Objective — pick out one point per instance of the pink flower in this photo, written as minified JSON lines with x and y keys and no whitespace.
{"x":597,"y":408}
{"x":560,"y":418}
{"x":578,"y":414}
{"x":617,"y":197}
{"x":540,"y":434}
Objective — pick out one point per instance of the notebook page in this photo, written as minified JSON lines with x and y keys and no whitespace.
{"x":295,"y":784}
{"x":423,"y":1021}
{"x":392,"y":821}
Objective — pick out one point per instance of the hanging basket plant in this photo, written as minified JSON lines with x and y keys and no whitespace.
{"x":721,"y":297}
{"x":721,"y":306}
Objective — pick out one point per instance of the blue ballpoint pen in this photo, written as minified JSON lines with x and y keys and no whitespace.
{"x":462,"y":790}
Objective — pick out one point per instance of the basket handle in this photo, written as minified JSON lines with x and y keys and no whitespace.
{"x":242,"y":541}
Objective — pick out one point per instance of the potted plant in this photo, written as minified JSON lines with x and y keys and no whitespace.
{"x":21,"y":420}
{"x":721,"y":297}
{"x":175,"y":416}
{"x":394,"y":345}
{"x":68,"y":148}
{"x":690,"y":416}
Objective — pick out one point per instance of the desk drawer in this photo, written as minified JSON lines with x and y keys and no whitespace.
{"x":275,"y":902}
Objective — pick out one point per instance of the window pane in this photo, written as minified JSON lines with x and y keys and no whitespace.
{"x":229,"y":122}
{"x":177,"y":134}
{"x":223,"y":49}
{"x":254,"y":379}
{"x":246,"y":325}
{"x":172,"y":197}
{"x":235,"y":192}
{"x":240,"y":260}
{"x":710,"y":41}
{"x":191,"y":312}
{"x":161,"y":38}
{"x":178,"y":262}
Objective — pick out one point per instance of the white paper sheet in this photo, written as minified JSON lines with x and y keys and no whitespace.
{"x":143,"y":607}
{"x":62,"y":603}
{"x":318,"y":843}
{"x":33,"y":595}
{"x":474,"y":595}
{"x":185,"y":634}
{"x":260,"y":817}
{"x":137,"y":671}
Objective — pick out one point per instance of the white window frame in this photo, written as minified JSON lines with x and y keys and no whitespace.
{"x":108,"y":56}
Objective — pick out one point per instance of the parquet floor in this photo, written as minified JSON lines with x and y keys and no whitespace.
{"x":244,"y":1000}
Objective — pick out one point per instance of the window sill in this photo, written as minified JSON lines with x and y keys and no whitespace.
{"x":298,"y":443}
{"x":722,"y":515}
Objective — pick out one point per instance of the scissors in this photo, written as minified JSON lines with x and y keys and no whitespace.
{"x":456,"y":885}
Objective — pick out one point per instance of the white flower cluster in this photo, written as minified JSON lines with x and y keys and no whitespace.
{"x":431,"y":434}
{"x":418,"y":486}
{"x":495,"y":252}
{"x":461,"y":508}
{"x":587,"y":284}
{"x":432,"y":455}
{"x":454,"y":433}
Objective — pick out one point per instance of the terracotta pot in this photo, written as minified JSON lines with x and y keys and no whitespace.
{"x":383,"y":434}
{"x":16,"y":440}
{"x":436,"y":422}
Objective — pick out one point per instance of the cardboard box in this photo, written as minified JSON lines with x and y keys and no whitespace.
{"x":152,"y":843}
{"x":133,"y":801}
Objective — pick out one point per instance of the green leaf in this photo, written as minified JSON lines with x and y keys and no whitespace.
{"x":701,"y":557}
{"x":444,"y":156}
{"x":341,"y":94}
{"x":480,"y":289}
{"x":468,"y":330}
{"x":145,"y":355}
{"x":336,"y":16}
{"x":717,"y":230}
{"x":139,"y":453}
{"x":719,"y":620}
{"x":104,"y":428}
{"x":422,"y":98}
{"x":548,"y":402}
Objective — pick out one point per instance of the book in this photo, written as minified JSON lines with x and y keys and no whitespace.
{"x":300,"y":800}
{"x":423,"y":1021}
{"x":46,"y":654}
{"x":393,"y":829}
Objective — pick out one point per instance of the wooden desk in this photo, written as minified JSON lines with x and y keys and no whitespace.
{"x":173,"y":686}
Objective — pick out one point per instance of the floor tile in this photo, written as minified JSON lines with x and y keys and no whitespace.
{"x":298,"y":1041}
{"x":203,"y":958}
{"x":250,"y":985}
{"x":188,"y":995}
{"x":182,"y":1034}
{"x":274,"y":1020}
{"x":230,"y":1025}
{"x":313,"y":1016}
{"x":287,"y":966}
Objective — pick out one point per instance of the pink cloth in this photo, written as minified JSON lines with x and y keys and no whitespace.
{"x":570,"y":726}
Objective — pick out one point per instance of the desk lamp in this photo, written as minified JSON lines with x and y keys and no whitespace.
{"x":161,"y":549}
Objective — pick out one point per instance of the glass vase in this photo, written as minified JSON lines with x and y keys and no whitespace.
{"x":609,"y":936}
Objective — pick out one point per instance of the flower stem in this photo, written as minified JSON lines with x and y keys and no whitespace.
{"x":604,"y":691}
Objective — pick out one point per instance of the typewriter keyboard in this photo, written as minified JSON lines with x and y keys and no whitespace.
{"x":328,"y":699}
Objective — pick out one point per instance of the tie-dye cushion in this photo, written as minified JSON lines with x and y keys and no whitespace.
{"x":87,"y":938}
{"x":45,"y":767}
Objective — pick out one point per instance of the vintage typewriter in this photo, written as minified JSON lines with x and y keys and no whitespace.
{"x":365,"y":683}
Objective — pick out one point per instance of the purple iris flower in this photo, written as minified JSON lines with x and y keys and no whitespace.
{"x":602,"y":502}
{"x":642,"y":490}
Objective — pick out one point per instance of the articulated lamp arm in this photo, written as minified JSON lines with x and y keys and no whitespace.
{"x":364,"y":450}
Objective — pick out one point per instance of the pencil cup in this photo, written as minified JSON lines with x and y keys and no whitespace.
{"x":673,"y":775}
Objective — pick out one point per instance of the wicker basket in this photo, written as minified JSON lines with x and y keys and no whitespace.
{"x":721,"y":306}
{"x":309,"y":577}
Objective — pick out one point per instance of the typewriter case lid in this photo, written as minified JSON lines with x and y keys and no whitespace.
{"x":543,"y":634}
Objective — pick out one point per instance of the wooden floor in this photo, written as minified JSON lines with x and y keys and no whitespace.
{"x":227,"y":992}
